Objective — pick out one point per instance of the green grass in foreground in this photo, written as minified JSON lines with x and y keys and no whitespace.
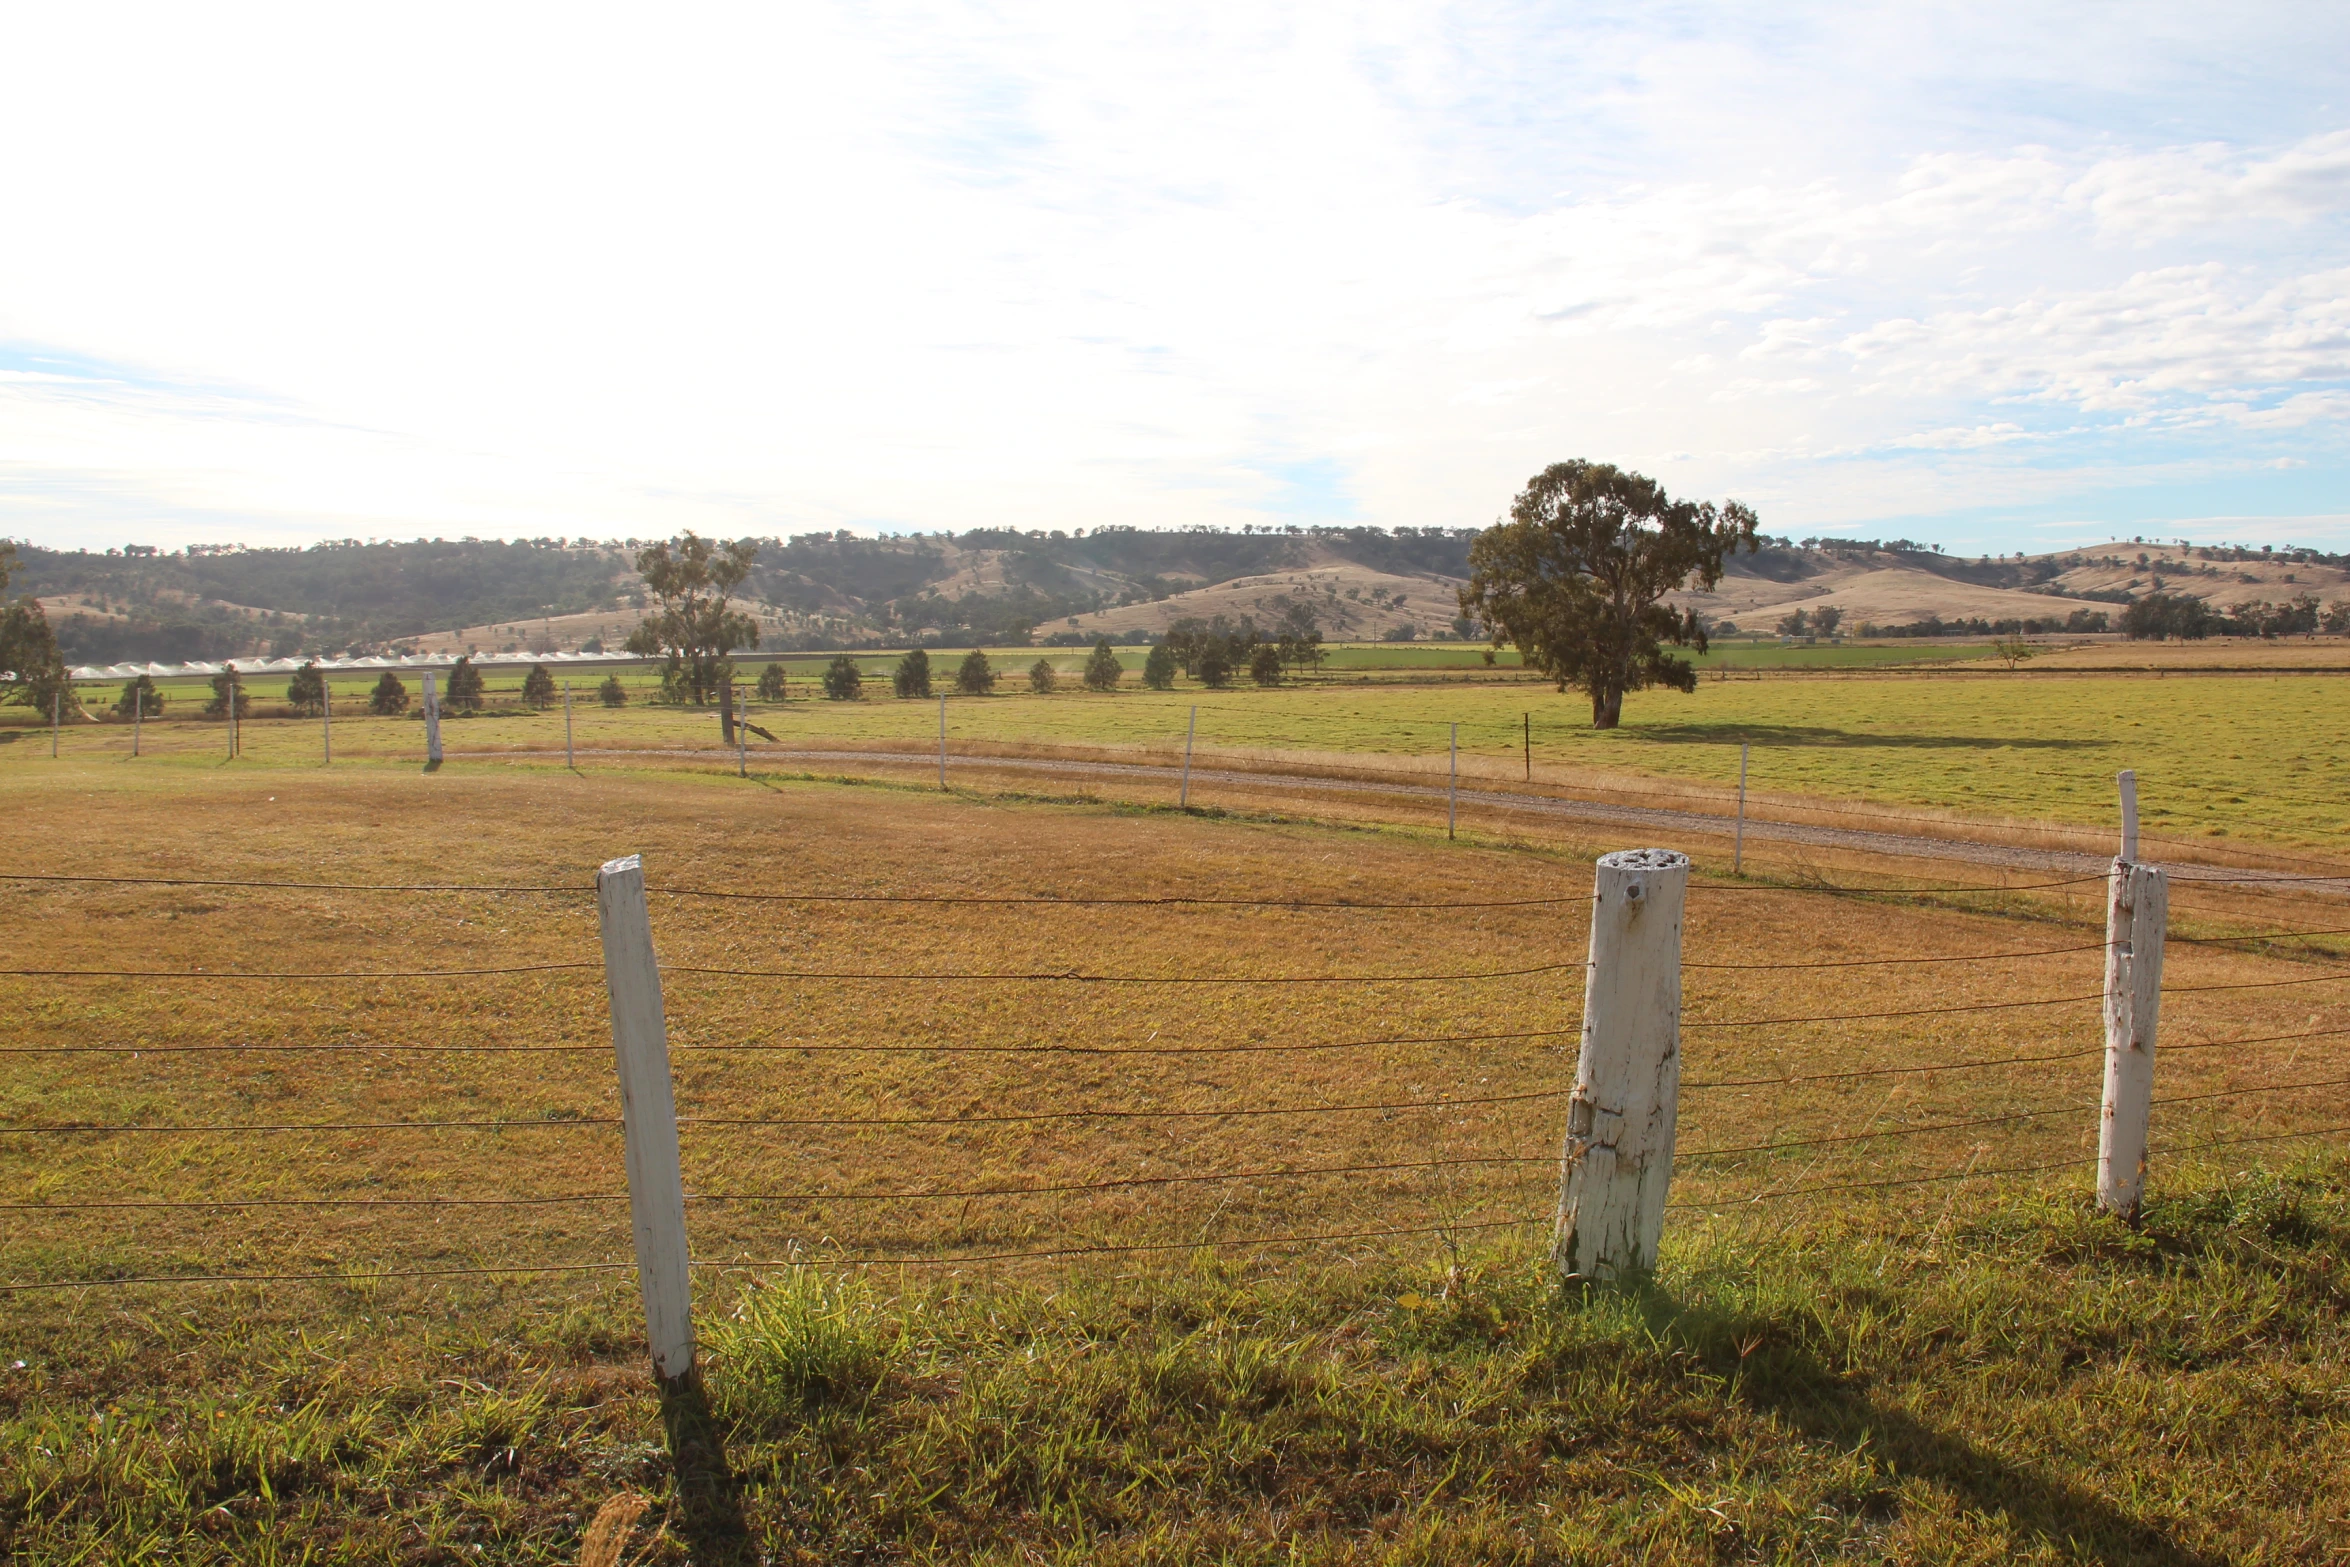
{"x":2015,"y":1380}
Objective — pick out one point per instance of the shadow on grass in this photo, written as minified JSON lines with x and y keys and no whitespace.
{"x":709,"y":1508}
{"x":1766,"y":1366}
{"x":1820,"y":736}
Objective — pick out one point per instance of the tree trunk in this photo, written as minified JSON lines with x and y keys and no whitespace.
{"x":1607,"y":708}
{"x":726,"y":711}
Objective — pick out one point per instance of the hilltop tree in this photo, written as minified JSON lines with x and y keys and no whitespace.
{"x":389,"y":698}
{"x":692,"y":582}
{"x":1103,"y":671}
{"x":843,"y":680}
{"x":975,"y":676}
{"x":1573,"y":579}
{"x":1158,"y":670}
{"x":1041,"y":678}
{"x":771,"y":684}
{"x":306,"y":692}
{"x":612,"y":693}
{"x":912,"y":676}
{"x":465,"y":687}
{"x":538,"y":687}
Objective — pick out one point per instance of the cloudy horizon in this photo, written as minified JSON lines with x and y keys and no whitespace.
{"x":1964,"y":274}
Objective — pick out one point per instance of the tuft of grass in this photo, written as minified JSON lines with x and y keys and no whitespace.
{"x":798,"y":1341}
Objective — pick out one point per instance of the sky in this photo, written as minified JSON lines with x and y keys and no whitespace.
{"x":2001,"y":276}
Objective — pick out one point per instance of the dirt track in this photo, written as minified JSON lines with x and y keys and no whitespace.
{"x":1651,"y":820}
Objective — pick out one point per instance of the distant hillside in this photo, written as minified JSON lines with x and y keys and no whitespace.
{"x":1004,"y":586}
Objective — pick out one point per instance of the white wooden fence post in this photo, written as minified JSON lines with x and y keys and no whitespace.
{"x":2136,"y":913}
{"x":432,"y":722}
{"x":1618,"y":1163}
{"x":648,"y":1113}
{"x":567,"y":725}
{"x":1452,"y":792}
{"x":1738,"y":844}
{"x":1183,"y":796}
{"x":942,"y":742}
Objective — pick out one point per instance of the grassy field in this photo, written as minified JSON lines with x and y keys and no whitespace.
{"x":2250,"y":760}
{"x":1965,"y":1368}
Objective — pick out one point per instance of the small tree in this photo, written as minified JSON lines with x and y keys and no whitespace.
{"x":912,"y":676}
{"x":1795,"y":625}
{"x":306,"y":692}
{"x":975,"y":676}
{"x":1158,"y":670}
{"x":771,"y":686}
{"x":2337,"y":619}
{"x":2012,"y":650}
{"x":1041,"y":679}
{"x":612,"y":693}
{"x":389,"y":698}
{"x":32,"y":671}
{"x":1215,"y":669}
{"x":1265,"y":667}
{"x":223,"y":684}
{"x":1103,"y":671}
{"x":1827,"y":618}
{"x":843,"y":680}
{"x":692,"y":581}
{"x":139,"y":696}
{"x":465,"y":686}
{"x":538,"y":687}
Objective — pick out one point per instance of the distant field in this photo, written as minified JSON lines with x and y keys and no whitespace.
{"x":2252,"y":759}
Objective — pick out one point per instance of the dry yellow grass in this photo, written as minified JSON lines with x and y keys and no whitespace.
{"x":214,"y":1055}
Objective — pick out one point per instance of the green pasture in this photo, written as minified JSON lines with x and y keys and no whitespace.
{"x":2261,"y":759}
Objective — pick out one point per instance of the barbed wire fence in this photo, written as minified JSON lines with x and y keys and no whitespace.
{"x":1617,"y":1119}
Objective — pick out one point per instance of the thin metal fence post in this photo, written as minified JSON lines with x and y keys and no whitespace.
{"x":1452,"y":792}
{"x":326,"y":720}
{"x":567,"y":762}
{"x":742,"y":741}
{"x":232,"y":710}
{"x":1618,"y":1162}
{"x":1738,"y":844}
{"x":1183,"y":796}
{"x":2136,"y":913}
{"x":942,"y":742}
{"x":1529,"y":717}
{"x":432,"y":722}
{"x":648,"y":1113}
{"x":138,"y":715}
{"x":56,"y":716}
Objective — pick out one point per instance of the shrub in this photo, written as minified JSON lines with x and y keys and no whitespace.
{"x":843,"y":680}
{"x":975,"y":676}
{"x":1158,"y":670}
{"x":771,"y":687}
{"x":612,"y":693}
{"x":912,"y":676}
{"x":139,"y":696}
{"x":538,"y":687}
{"x":1215,"y":670}
{"x":1103,"y":671}
{"x":465,"y":687}
{"x":389,"y":697}
{"x":307,"y":690}
{"x":1041,"y":679}
{"x":673,"y":681}
{"x":1265,"y":667}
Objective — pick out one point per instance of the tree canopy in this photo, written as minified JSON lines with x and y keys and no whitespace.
{"x":692,"y":581}
{"x":1575,"y":577}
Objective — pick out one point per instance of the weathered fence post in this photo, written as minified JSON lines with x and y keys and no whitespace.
{"x":1738,"y":844}
{"x":326,"y":722}
{"x":1619,"y":1152}
{"x":567,"y":763}
{"x":232,"y":710}
{"x":742,"y":737}
{"x":138,"y":715}
{"x":648,"y":1113}
{"x":1183,"y":796}
{"x":432,"y":722}
{"x":2137,"y":910}
{"x":1529,"y":719}
{"x":1452,"y":792}
{"x":942,"y":742}
{"x":56,"y":717}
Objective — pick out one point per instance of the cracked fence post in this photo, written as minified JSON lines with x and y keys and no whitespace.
{"x":2136,"y":911}
{"x":1619,"y":1153}
{"x":648,"y":1114}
